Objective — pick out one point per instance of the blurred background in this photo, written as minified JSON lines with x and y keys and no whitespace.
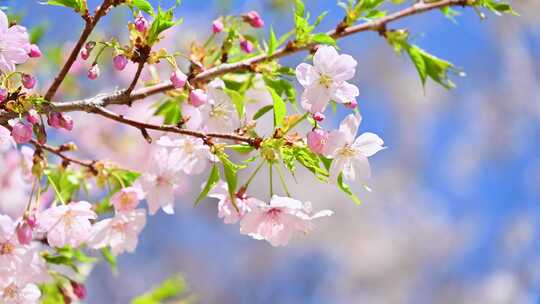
{"x":454,"y":215}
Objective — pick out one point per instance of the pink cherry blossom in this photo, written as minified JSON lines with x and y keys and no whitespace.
{"x":6,"y":141}
{"x":127,"y":199}
{"x":178,"y":79}
{"x":280,"y":221}
{"x":60,"y":120}
{"x":85,"y":53}
{"x":217,"y":26}
{"x":24,"y":234}
{"x":226,"y":210}
{"x":67,"y":224}
{"x":14,"y":44}
{"x":32,"y":117}
{"x":120,"y":232}
{"x":161,"y":180}
{"x":191,"y":152}
{"x":326,"y":79}
{"x":219,"y":113}
{"x":350,"y":155}
{"x":21,"y":132}
{"x":316,"y":140}
{"x":11,"y":251}
{"x":93,"y":72}
{"x":16,"y":291}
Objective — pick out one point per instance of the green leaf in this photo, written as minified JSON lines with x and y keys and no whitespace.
{"x":163,"y":21}
{"x":170,"y":110}
{"x":168,"y":290}
{"x":238,"y":101}
{"x":323,"y":38}
{"x":109,"y":258}
{"x":272,"y":42}
{"x":77,"y":5}
{"x":244,"y":149}
{"x":262,"y":111}
{"x":51,"y":294}
{"x":280,"y":109}
{"x":143,"y":5}
{"x":230,"y":171}
{"x":345,"y":188}
{"x":496,"y":7}
{"x":213,"y":179}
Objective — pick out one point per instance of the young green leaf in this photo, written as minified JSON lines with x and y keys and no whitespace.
{"x":280,"y":109}
{"x":168,"y":290}
{"x":77,"y":5}
{"x":323,"y":38}
{"x":238,"y":101}
{"x":345,"y":188}
{"x":143,"y":5}
{"x":213,"y":179}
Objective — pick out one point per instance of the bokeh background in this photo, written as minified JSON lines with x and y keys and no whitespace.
{"x":454,"y":215}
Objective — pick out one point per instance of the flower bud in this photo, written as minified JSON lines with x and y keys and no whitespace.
{"x":32,"y":117}
{"x":24,"y":233}
{"x":217,"y":26}
{"x":141,"y":24}
{"x":35,"y":52}
{"x":319,"y":116}
{"x":197,"y":98}
{"x":60,"y":120}
{"x":246,"y":46}
{"x":120,"y":62}
{"x":54,"y":120}
{"x":21,"y":133}
{"x":316,"y":140}
{"x":3,"y":95}
{"x":85,"y":54}
{"x":352,"y":104}
{"x":32,"y":221}
{"x":28,"y":81}
{"x":90,"y":45}
{"x":79,"y":289}
{"x":254,"y":19}
{"x":178,"y":79}
{"x":93,"y":72}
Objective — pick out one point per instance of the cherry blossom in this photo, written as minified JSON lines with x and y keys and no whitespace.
{"x":281,"y":220}
{"x":316,"y":140}
{"x":120,"y":232}
{"x":226,"y":210}
{"x":326,"y":79}
{"x":11,"y":251}
{"x":350,"y":155}
{"x":6,"y":141}
{"x":17,"y":291}
{"x":193,"y":155}
{"x":127,"y":199}
{"x":217,"y":26}
{"x":219,"y":113}
{"x":67,"y":224}
{"x":161,"y":180}
{"x":14,"y":45}
{"x":120,"y":61}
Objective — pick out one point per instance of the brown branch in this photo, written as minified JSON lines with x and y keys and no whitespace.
{"x":90,"y":24}
{"x":143,"y":126}
{"x":59,"y":151}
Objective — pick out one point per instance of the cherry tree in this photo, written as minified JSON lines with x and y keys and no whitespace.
{"x":227,"y":106}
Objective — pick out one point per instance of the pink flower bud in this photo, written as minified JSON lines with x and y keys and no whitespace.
{"x":352,"y":104}
{"x":35,"y":52}
{"x":24,"y":234}
{"x":246,"y":46}
{"x":85,"y":54}
{"x":120,"y":62}
{"x":79,"y":290}
{"x":60,"y":120}
{"x":90,"y":45}
{"x":178,"y":79}
{"x":93,"y":72}
{"x":66,"y":122}
{"x":141,"y":24}
{"x":3,"y":95}
{"x":254,"y":19}
{"x":316,"y":140}
{"x":319,"y":116}
{"x":54,"y":120}
{"x":21,"y":133}
{"x":197,"y":98}
{"x":32,"y":117}
{"x":28,"y":81}
{"x":32,"y":221}
{"x":217,"y":26}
